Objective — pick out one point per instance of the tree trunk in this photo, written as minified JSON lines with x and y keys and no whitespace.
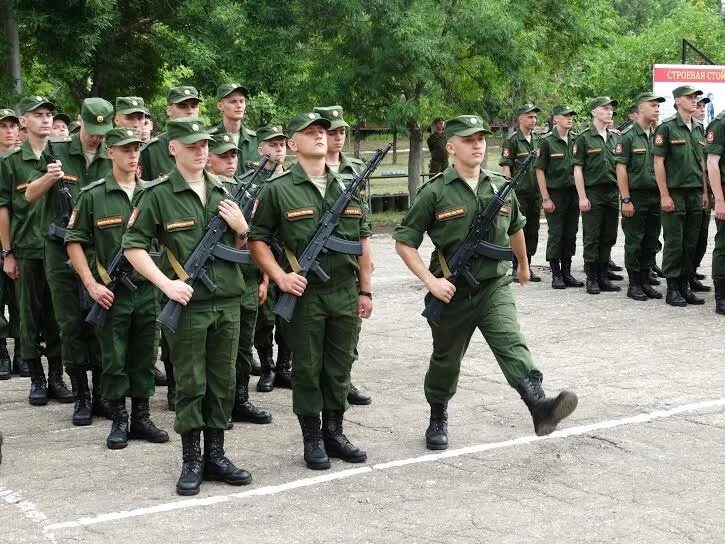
{"x":12,"y":44}
{"x":395,"y":147}
{"x":415,"y":157}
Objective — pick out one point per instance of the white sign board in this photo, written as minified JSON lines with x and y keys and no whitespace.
{"x":710,"y":79}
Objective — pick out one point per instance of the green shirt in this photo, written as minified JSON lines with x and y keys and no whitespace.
{"x":246,"y":149}
{"x":99,"y":220}
{"x":17,"y":170}
{"x":596,"y":157}
{"x":156,"y":161}
{"x":682,"y":149}
{"x":515,"y":149}
{"x":555,"y":159}
{"x":716,"y":141}
{"x":291,"y":204}
{"x":635,"y":150}
{"x":445,"y":208}
{"x":171,"y":212}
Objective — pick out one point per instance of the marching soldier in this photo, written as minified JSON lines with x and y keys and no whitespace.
{"x":324,"y":329}
{"x":715,"y":150}
{"x":437,"y":147}
{"x":445,"y":208}
{"x":129,"y":339}
{"x":232,"y":104}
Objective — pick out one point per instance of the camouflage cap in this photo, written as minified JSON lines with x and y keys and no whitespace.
{"x":7,"y":113}
{"x":563,"y":109}
{"x":221,"y":143}
{"x":270,"y":132}
{"x":30,"y":103}
{"x":648,"y":97}
{"x":465,"y":125}
{"x":130,"y":104}
{"x":62,"y":117}
{"x":304,"y":120}
{"x":526,"y":108}
{"x":187,"y":130}
{"x":229,"y":88}
{"x":96,"y":114}
{"x":602,"y":101}
{"x":116,"y":137}
{"x":184,"y":92}
{"x":334,"y":115}
{"x":685,"y":90}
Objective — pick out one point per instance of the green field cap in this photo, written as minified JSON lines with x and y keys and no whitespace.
{"x":304,"y":120}
{"x":221,"y":143}
{"x":465,"y":125}
{"x":685,"y":90}
{"x":179,"y":94}
{"x":97,"y":114}
{"x":117,"y":137}
{"x":187,"y":130}
{"x":229,"y":88}
{"x":30,"y":103}
{"x":334,"y":115}
{"x":270,"y":132}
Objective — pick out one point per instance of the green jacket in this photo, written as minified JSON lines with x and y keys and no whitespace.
{"x":246,"y":149}
{"x":445,"y":208}
{"x":171,"y":212}
{"x":555,"y":159}
{"x":716,"y":141}
{"x":155,"y":158}
{"x":596,"y":157}
{"x":683,"y":152}
{"x":292,"y":205}
{"x":516,"y":148}
{"x":635,"y":150}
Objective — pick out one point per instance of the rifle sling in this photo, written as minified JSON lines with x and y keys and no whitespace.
{"x":103,"y":274}
{"x":293,"y":262}
{"x":444,"y":266}
{"x":176,"y":265}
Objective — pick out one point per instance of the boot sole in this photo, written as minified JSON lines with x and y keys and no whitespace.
{"x":360,"y":402}
{"x":38,"y":402}
{"x":116,"y":446}
{"x":318,"y":466}
{"x":188,"y":492}
{"x":265,"y":389}
{"x":215,"y":478}
{"x":563,"y":409}
{"x":436,"y":447}
{"x":5,"y":377}
{"x":348,"y":459}
{"x":61,"y":400}
{"x":265,"y":421}
{"x":160,"y":440}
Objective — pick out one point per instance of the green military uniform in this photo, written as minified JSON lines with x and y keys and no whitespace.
{"x":247,"y":143}
{"x":703,"y":236}
{"x":716,"y":146}
{"x":438,"y":154}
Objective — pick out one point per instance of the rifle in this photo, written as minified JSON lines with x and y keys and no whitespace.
{"x":207,"y":250}
{"x":324,"y":241}
{"x":250,"y":196}
{"x":475,"y":244}
{"x":64,"y":198}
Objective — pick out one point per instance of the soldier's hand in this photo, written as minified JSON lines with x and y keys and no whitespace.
{"x":668,"y":205}
{"x":720,"y":210}
{"x":232,"y":215}
{"x":364,"y":307}
{"x":100,"y":294}
{"x":292,"y":283}
{"x":705,"y":201}
{"x":55,"y":171}
{"x":10,"y":267}
{"x":548,"y":205}
{"x":442,"y":289}
{"x":178,"y":291}
{"x":628,"y":210}
{"x":523,"y":272}
{"x":262,"y":293}
{"x":584,"y":204}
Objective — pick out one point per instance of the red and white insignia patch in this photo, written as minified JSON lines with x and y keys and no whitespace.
{"x":134,"y":216}
{"x":618,"y":149}
{"x":659,"y":139}
{"x":573,"y":150}
{"x":538,"y":152}
{"x":254,"y":208}
{"x":710,"y":136}
{"x":506,"y":152}
{"x":73,"y":217}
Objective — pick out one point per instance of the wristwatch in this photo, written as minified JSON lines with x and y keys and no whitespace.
{"x":365,"y":294}
{"x":626,"y":200}
{"x":6,"y":252}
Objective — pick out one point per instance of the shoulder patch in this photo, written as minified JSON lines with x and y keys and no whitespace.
{"x":154,"y":182}
{"x":153,"y":140}
{"x":60,"y":139}
{"x":213,"y":130}
{"x":626,"y":130}
{"x":251,"y":132}
{"x":431,"y":179}
{"x":93,"y":184}
{"x":278,"y":176}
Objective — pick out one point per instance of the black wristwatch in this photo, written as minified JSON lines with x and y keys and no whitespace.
{"x":626,"y":200}
{"x":6,"y":252}
{"x":365,"y":294}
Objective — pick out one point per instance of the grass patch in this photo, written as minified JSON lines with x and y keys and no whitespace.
{"x":386,"y":221}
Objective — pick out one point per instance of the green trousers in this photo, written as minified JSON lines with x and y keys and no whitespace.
{"x":79,"y":345}
{"x":718,"y":254}
{"x":129,"y":344}
{"x":247,"y":324}
{"x":701,"y":248}
{"x":642,"y":230}
{"x":323,"y":334}
{"x":681,"y":230}
{"x":530,"y":205}
{"x":563,"y":224}
{"x":269,"y":326}
{"x":491,"y":309}
{"x":203,"y":352}
{"x":8,"y":298}
{"x":600,"y":223}
{"x":36,"y":311}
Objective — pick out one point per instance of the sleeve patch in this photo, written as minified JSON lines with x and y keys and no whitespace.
{"x":618,"y":149}
{"x":506,"y":152}
{"x":73,"y":217}
{"x":659,"y":139}
{"x":710,"y":136}
{"x":134,"y":216}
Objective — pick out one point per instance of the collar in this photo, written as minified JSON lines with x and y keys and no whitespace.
{"x":594,"y":132}
{"x":27,"y":150}
{"x":558,"y":135}
{"x":178,"y":183}
{"x":76,"y":148}
{"x":113,"y":185}
{"x":300,"y":176}
{"x":520,"y":135}
{"x":451,"y":175}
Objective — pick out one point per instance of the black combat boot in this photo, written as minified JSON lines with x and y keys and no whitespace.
{"x":57,"y":388}
{"x":315,"y":456}
{"x":142,"y":428}
{"x":357,"y":397}
{"x":159,"y":378}
{"x":5,"y":362}
{"x":569,"y":280}
{"x":645,"y":282}
{"x":657,"y":270}
{"x":515,"y":269}
{"x":99,"y":405}
{"x":652,"y":278}
{"x":699,"y":276}
{"x":171,"y":385}
{"x":38,"y":388}
{"x":557,"y":280}
{"x":436,"y":435}
{"x":687,"y":294}
{"x":635,"y":291}
{"x":265,"y":384}
{"x":283,"y":371}
{"x":546,"y":412}
{"x":336,"y":443}
{"x":697,"y":286}
{"x":605,"y":285}
{"x":216,"y":466}
{"x":255,"y":368}
{"x":673,"y":297}
{"x":611,"y":265}
{"x":191,"y":466}
{"x":118,"y":437}
{"x":719,"y":297}
{"x":19,"y":365}
{"x":592,"y":272}
{"x":244,"y":410}
{"x":82,"y":407}
{"x":533,"y":277}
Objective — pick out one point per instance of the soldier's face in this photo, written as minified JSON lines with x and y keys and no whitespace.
{"x":190,"y":157}
{"x":564,"y":121}
{"x":132,"y":120}
{"x":700,"y":111}
{"x":469,"y":151}
{"x":59,"y":128}
{"x":8,"y":133}
{"x":233,"y":106}
{"x":649,"y":111}
{"x":146,"y":128}
{"x":38,"y":122}
{"x":276,"y":148}
{"x":439,"y":126}
{"x":604,"y":114}
{"x":336,"y":139}
{"x":90,"y":141}
{"x":186,"y":108}
{"x":125,"y":157}
{"x":224,"y":164}
{"x":310,"y":142}
{"x":687,"y":104}
{"x":527,"y":121}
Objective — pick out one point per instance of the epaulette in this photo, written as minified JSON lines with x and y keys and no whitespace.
{"x":492,"y":174}
{"x":93,"y":184}
{"x":60,"y":139}
{"x":670,"y":118}
{"x":154,"y":182}
{"x":720,"y":115}
{"x":11,"y":152}
{"x":250,"y":132}
{"x":627,"y":129}
{"x":213,"y":130}
{"x":355,"y":160}
{"x":251,"y":164}
{"x":430,"y":180}
{"x":277,"y":176}
{"x":151,"y":141}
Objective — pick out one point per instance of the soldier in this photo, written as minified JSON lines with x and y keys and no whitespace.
{"x":520,"y":144}
{"x":146,"y":128}
{"x":437,"y":147}
{"x":595,"y":179}
{"x":60,"y":126}
{"x":695,"y":284}
{"x":82,"y":160}
{"x":232,"y":104}
{"x":445,"y":208}
{"x":641,"y":214}
{"x":175,"y":210}
{"x":272,"y":142}
{"x":223,"y":163}
{"x":679,"y":173}
{"x":348,"y":168}
{"x":715,"y":150}
{"x":559,"y":199}
{"x":23,"y":252}
{"x":129,"y":339}
{"x":326,"y":322}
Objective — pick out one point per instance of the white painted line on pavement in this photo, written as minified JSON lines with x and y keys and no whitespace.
{"x":29,"y":510}
{"x":431,"y":457}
